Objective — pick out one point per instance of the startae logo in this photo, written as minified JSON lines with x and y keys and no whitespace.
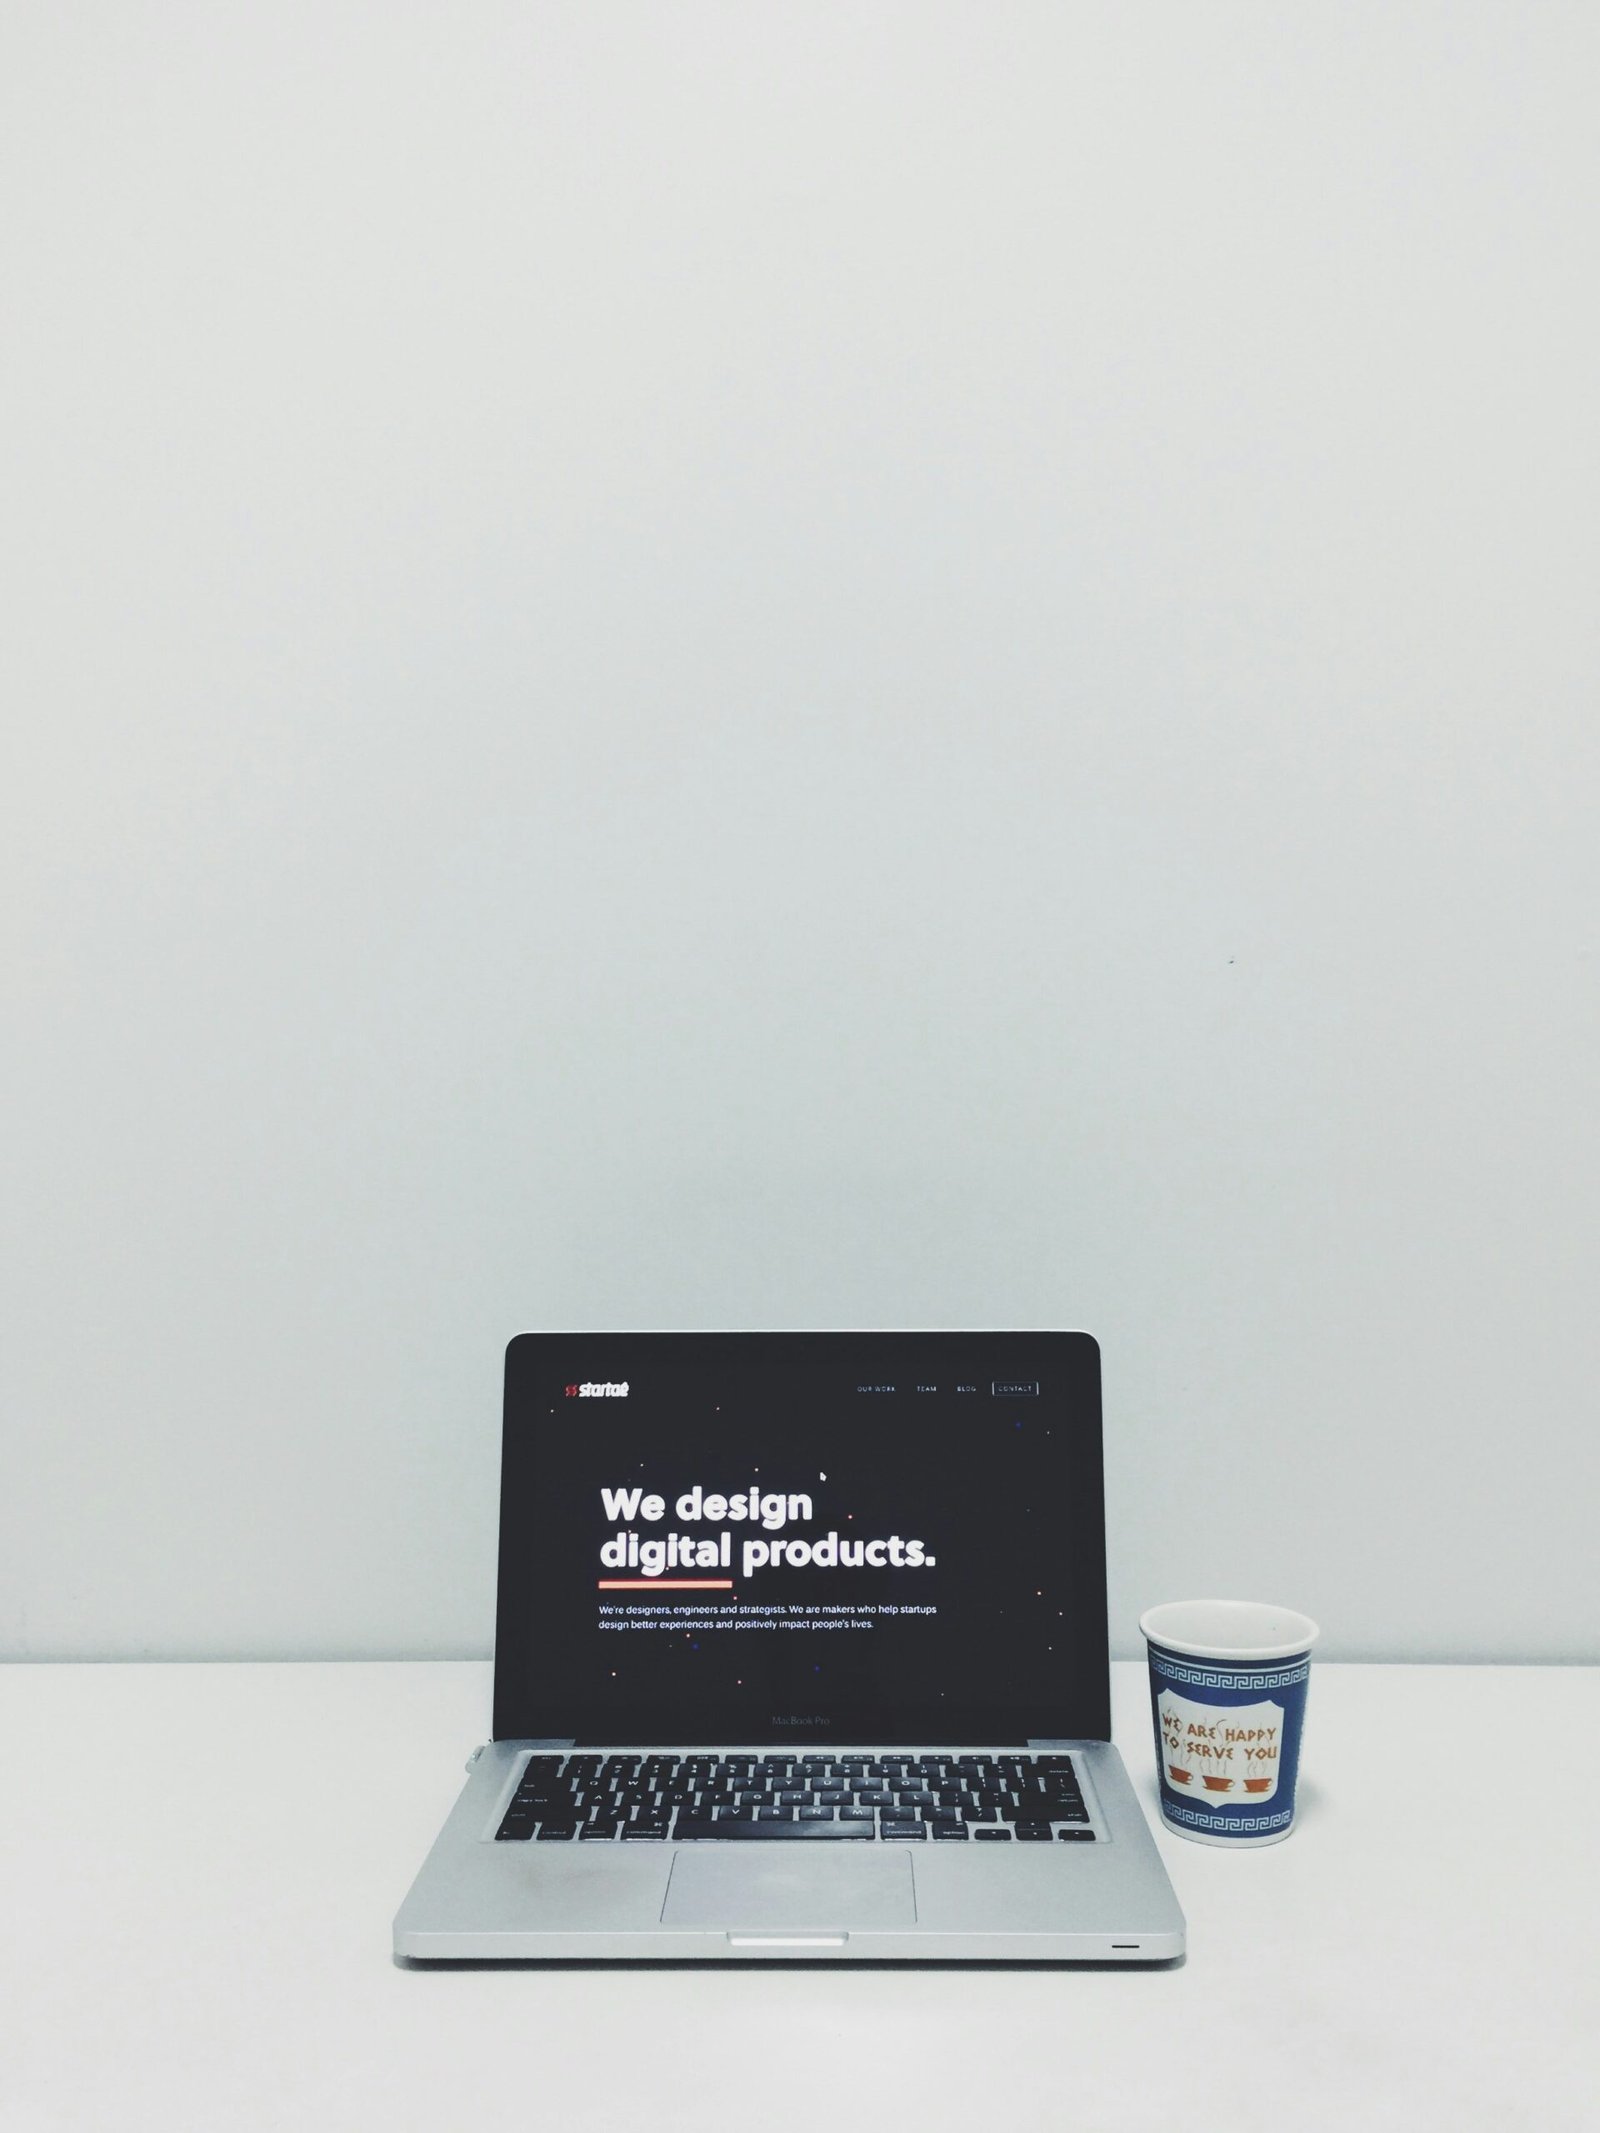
{"x":592,"y":1391}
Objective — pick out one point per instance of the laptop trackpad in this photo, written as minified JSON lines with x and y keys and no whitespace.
{"x":853,"y":1888}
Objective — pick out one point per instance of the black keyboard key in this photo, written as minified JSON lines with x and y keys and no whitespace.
{"x":690,"y":1829}
{"x":1076,"y":1836}
{"x":855,"y":1814}
{"x":816,"y":1814}
{"x":992,"y":1836}
{"x":898,"y":1832}
{"x":774,"y":1814}
{"x":644,"y":1832}
{"x":947,"y":1830}
{"x":1033,"y":1832}
{"x":598,"y":1832}
{"x":515,"y":1828}
{"x":554,"y":1832}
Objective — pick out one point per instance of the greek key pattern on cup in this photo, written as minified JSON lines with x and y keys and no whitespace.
{"x":1193,"y":1818}
{"x":1210,"y":1678}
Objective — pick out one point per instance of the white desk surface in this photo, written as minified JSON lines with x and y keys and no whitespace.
{"x":199,"y":1864}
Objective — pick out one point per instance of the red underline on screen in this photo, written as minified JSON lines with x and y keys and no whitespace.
{"x":666,"y":1584}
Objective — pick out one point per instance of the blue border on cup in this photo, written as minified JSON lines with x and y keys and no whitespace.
{"x":1226,"y":1684}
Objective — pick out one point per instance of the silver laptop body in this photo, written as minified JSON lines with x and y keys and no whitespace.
{"x":801,"y":1655}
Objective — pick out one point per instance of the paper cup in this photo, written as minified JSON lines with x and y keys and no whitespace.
{"x":1227,"y":1699}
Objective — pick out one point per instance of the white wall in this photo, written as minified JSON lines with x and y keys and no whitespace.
{"x":780,"y":666}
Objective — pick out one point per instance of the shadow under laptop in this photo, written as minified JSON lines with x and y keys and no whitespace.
{"x":790,"y":1963}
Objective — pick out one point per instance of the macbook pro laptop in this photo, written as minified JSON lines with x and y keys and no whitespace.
{"x":800,"y":1654}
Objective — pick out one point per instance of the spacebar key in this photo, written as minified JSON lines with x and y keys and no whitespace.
{"x":763,"y":1832}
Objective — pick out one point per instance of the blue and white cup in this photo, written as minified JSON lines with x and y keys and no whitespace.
{"x":1228,"y":1698}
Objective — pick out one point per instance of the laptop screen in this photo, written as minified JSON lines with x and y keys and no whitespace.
{"x":802,"y":1538}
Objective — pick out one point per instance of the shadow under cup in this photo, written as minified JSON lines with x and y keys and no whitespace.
{"x":1227,"y":1700}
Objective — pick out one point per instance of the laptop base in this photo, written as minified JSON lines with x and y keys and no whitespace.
{"x":477,"y":1900}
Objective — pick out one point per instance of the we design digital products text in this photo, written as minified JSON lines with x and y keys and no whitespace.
{"x":771,"y":1510}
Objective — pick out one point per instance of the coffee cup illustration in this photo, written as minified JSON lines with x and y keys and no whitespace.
{"x":1218,"y":1753}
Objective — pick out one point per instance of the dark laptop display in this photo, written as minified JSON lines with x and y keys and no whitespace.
{"x":792,"y":1539}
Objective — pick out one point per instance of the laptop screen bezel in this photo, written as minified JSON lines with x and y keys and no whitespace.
{"x":1070,"y":1361}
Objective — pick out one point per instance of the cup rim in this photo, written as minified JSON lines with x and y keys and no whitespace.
{"x":1229,"y":1629}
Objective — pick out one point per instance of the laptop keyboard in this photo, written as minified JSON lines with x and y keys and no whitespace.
{"x":985,"y":1799}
